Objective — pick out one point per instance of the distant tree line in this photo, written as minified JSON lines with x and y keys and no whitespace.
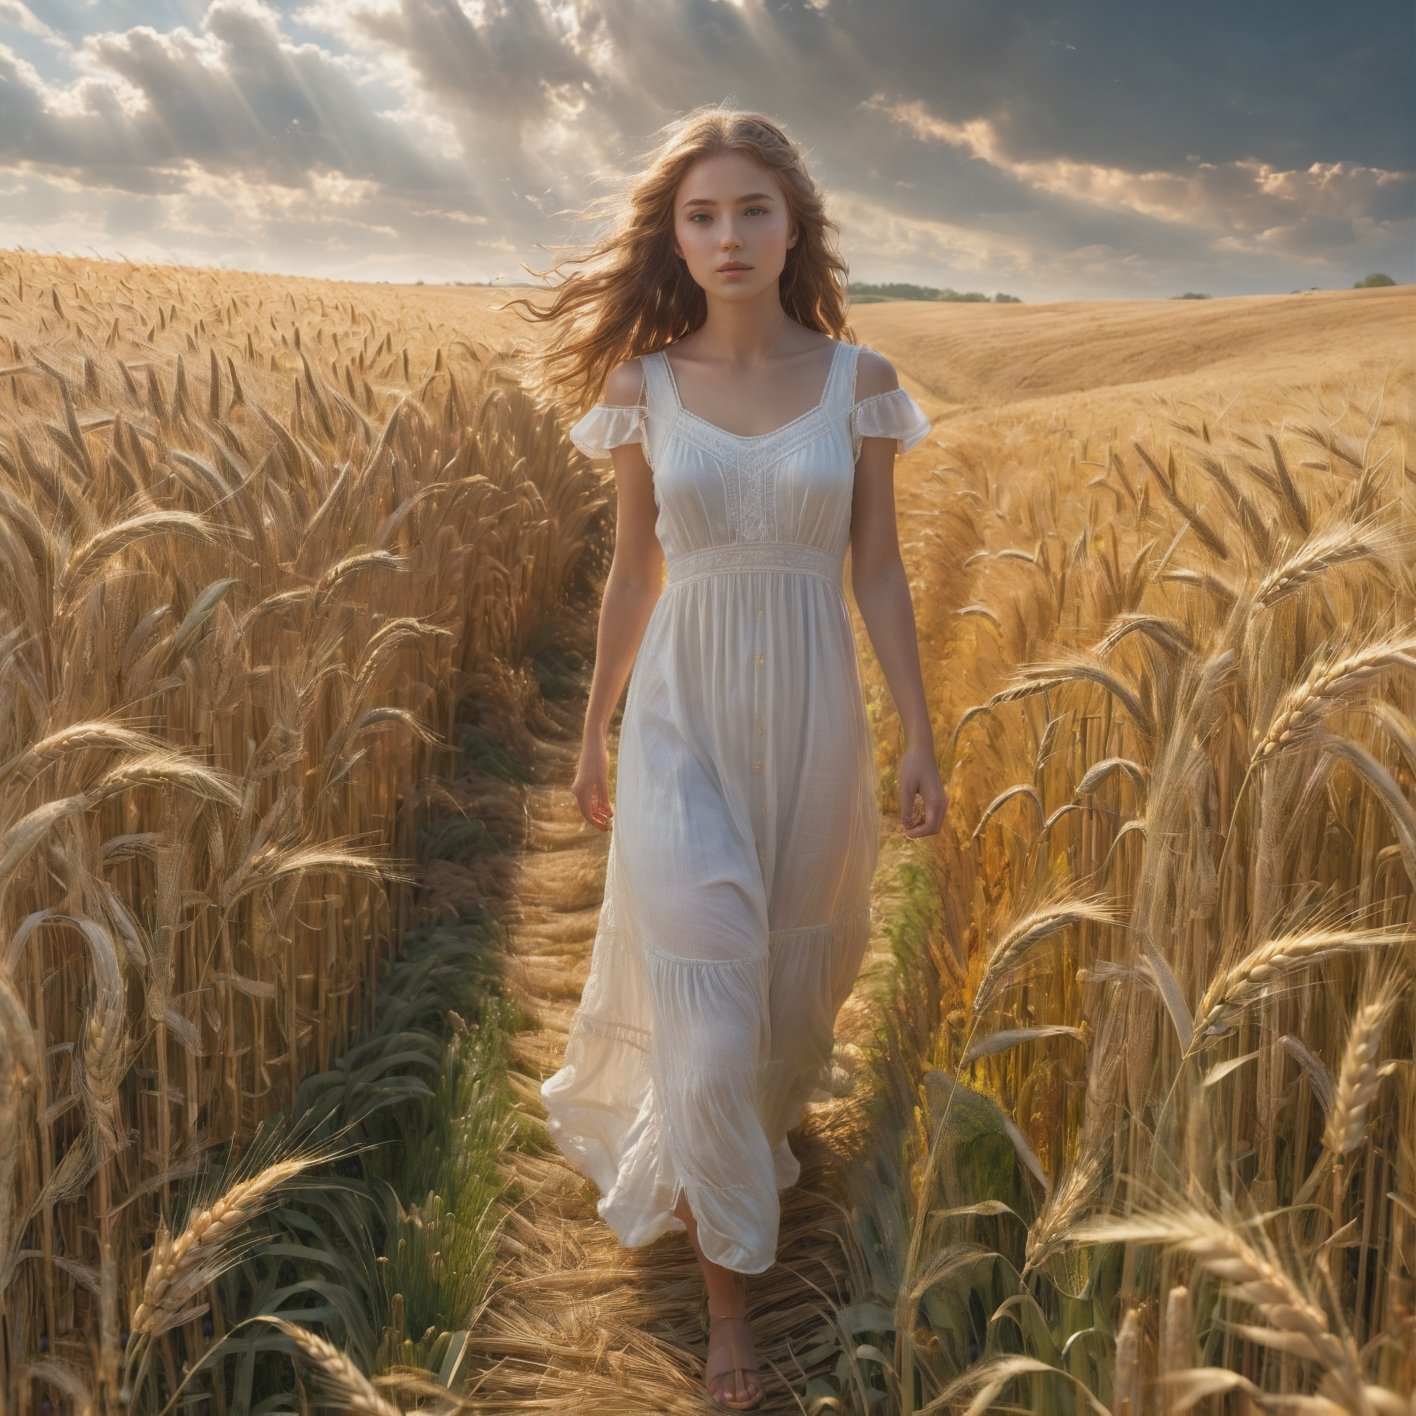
{"x":1367,"y":280}
{"x":863,"y":294}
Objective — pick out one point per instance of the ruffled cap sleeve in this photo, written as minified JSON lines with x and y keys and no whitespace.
{"x":608,"y":425}
{"x":892,"y":414}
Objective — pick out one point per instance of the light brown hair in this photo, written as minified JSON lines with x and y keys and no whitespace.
{"x":637,"y":294}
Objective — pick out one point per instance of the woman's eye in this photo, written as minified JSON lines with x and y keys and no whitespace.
{"x":693,"y":219}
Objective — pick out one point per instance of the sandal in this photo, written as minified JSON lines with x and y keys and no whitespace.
{"x":733,"y":1366}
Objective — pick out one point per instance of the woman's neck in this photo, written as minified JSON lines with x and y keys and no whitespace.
{"x":745,"y":336}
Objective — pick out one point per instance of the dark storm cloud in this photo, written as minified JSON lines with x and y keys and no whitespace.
{"x":1110,"y":82}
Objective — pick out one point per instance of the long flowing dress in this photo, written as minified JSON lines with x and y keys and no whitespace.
{"x":745,"y":832}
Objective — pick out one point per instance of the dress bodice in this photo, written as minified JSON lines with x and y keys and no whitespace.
{"x":782,"y":495}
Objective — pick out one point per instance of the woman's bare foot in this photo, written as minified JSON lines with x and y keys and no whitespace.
{"x":729,"y":1370}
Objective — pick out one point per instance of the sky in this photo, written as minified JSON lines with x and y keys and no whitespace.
{"x":1096,"y":150}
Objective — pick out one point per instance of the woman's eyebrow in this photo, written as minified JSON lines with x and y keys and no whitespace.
{"x":750,"y":197}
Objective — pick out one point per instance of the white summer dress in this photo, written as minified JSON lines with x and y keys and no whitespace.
{"x":745,"y":831}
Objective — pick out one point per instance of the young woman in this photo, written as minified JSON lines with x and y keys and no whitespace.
{"x":751,"y":446}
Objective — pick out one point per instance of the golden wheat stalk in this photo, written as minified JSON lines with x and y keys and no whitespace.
{"x":355,"y":1393}
{"x":1057,"y":1217}
{"x":1399,"y":809}
{"x":270,"y":865}
{"x":1339,"y":545}
{"x":1295,"y":1324}
{"x":1167,"y":481}
{"x":1326,"y":687}
{"x":1359,"y":1075}
{"x":1067,"y":667}
{"x":19,"y":1073}
{"x":1019,"y":941}
{"x":169,"y":769}
{"x":88,"y":560}
{"x":988,"y":1379}
{"x":1265,"y":968}
{"x":182,"y":1267}
{"x":104,"y":1055}
{"x":1168,"y":633}
{"x":27,"y":764}
{"x":1176,"y":1337}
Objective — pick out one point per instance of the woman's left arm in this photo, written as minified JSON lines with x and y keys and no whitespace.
{"x":882,"y":591}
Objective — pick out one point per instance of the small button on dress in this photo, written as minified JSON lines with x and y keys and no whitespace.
{"x":745,"y":828}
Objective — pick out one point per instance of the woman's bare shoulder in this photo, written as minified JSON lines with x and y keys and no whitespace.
{"x":874,"y":374}
{"x":625,"y":383}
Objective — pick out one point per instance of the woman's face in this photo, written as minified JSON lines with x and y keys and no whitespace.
{"x":730,"y":209}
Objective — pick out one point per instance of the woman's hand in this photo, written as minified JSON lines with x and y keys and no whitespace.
{"x":918,"y":773}
{"x":591,"y":787}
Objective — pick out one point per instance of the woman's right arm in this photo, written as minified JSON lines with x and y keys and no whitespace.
{"x":633,"y":585}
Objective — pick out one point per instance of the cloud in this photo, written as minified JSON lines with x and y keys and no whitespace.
{"x":1251,"y":205}
{"x":926,"y":245}
{"x":234,"y":97}
{"x":24,"y":20}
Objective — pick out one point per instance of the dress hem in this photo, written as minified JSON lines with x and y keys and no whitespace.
{"x":612,"y":1134}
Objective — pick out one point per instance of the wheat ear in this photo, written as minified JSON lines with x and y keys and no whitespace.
{"x":1309,"y":702}
{"x":1234,"y":989}
{"x":1296,"y":1324}
{"x":1031,"y":930}
{"x":355,"y":1393}
{"x":182,"y":1267}
{"x":1359,"y":1075}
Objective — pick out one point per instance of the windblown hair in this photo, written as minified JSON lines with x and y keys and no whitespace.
{"x":637,"y":294}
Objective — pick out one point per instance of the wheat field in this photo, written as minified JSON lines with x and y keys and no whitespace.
{"x":258,"y":542}
{"x":1131,"y":1126}
{"x":1144,"y":1120}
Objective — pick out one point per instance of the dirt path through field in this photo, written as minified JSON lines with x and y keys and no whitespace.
{"x":578,"y":1323}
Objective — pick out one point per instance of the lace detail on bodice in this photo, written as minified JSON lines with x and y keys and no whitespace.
{"x":746,"y":459}
{"x":748,"y":478}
